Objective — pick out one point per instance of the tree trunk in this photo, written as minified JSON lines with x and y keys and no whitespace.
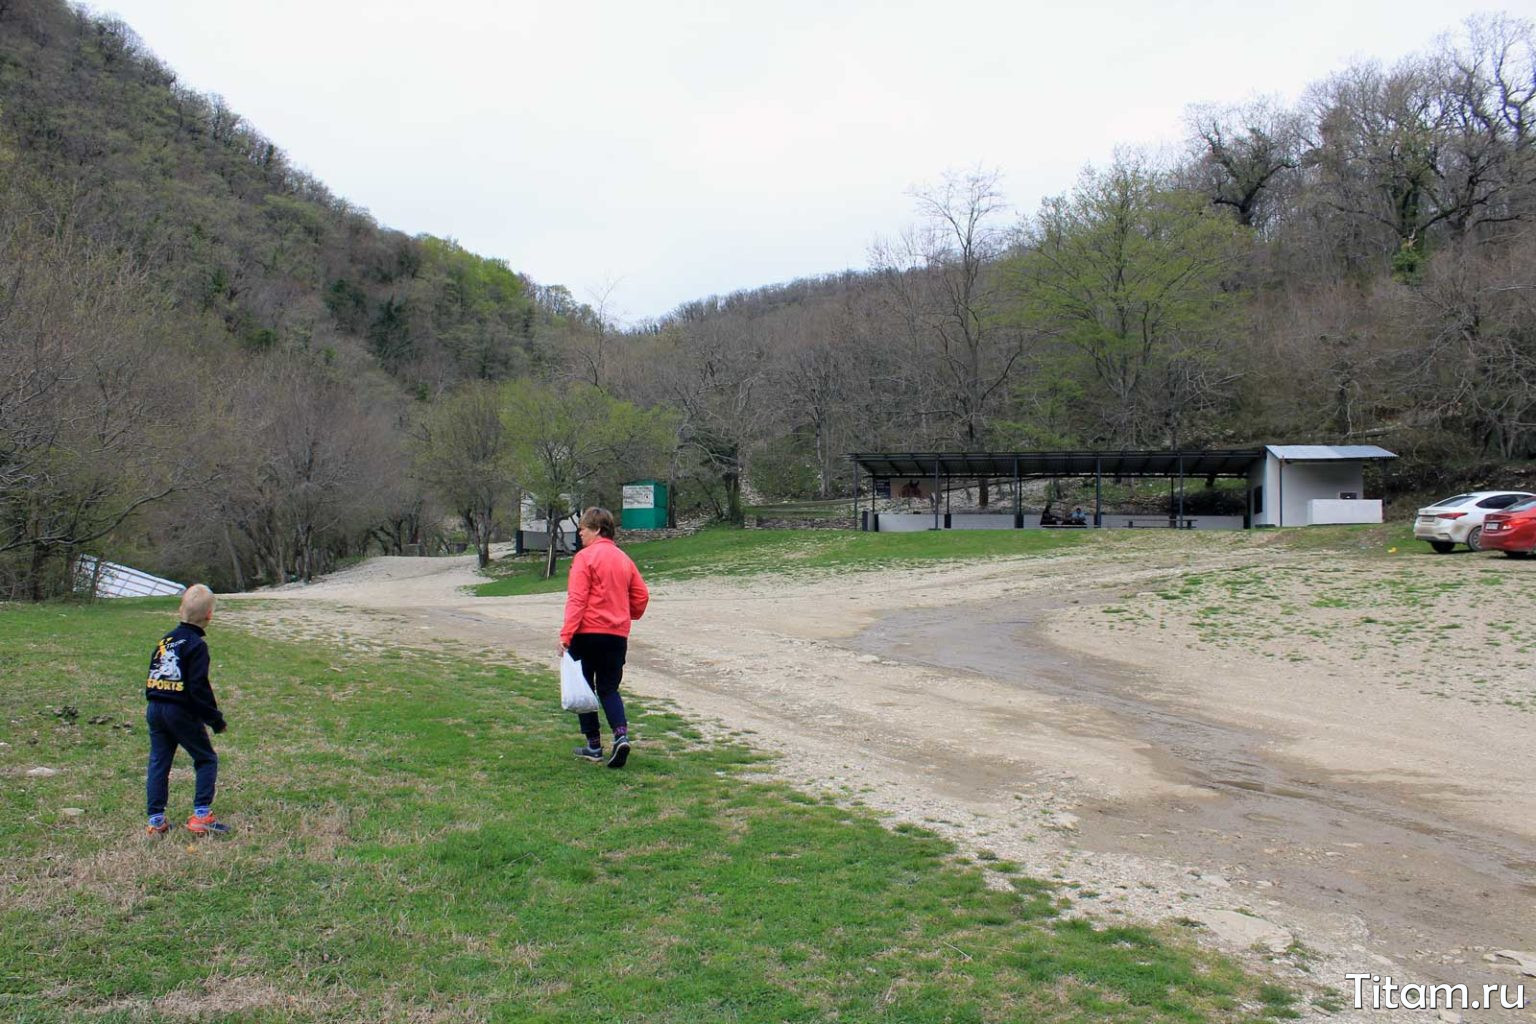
{"x":552,"y":550}
{"x":823,"y":470}
{"x":731,"y":478}
{"x":483,"y":539}
{"x":234,"y":560}
{"x":304,"y":568}
{"x":279,"y":564}
{"x":733,"y":510}
{"x":39,"y":563}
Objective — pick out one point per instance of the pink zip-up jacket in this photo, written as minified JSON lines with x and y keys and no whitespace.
{"x":605,"y":592}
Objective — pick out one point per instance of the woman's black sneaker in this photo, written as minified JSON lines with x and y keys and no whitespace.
{"x":620,"y":752}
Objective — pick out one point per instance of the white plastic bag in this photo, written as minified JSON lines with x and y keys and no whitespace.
{"x":575,"y":694}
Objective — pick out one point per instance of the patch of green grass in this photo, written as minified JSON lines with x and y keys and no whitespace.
{"x":1376,"y":539}
{"x":1278,"y":1002}
{"x":414,"y":841}
{"x":1329,"y":1002}
{"x":722,"y":551}
{"x":1388,"y":609}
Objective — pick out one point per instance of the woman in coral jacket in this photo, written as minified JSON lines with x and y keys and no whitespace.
{"x":605,"y":593}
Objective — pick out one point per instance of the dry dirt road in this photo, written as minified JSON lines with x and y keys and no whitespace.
{"x":1321,"y":762}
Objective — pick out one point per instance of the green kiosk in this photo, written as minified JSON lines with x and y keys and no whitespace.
{"x":645,"y":506}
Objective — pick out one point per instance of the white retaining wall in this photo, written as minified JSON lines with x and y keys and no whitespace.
{"x":906,"y":522}
{"x":113,"y":580}
{"x":1340,"y":510}
{"x":981,"y":521}
{"x":910,"y":522}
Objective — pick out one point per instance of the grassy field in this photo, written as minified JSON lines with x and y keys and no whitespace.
{"x":721,"y":551}
{"x":415,"y":842}
{"x":1370,"y":595}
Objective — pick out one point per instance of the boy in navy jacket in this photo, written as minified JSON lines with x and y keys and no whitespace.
{"x":180,"y":710}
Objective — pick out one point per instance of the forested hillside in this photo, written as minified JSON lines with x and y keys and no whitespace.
{"x":214,"y":368}
{"x":1361,"y":266}
{"x":211,"y":363}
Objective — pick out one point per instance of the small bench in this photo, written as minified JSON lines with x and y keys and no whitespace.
{"x":1158,"y":523}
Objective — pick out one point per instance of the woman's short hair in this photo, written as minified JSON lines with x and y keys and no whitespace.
{"x":196,"y":604}
{"x":599,"y":519}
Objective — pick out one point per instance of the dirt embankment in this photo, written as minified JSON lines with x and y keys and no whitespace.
{"x":1316,"y":761}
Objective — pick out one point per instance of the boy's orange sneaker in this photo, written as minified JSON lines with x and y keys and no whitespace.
{"x":207,"y":825}
{"x":157,"y":830}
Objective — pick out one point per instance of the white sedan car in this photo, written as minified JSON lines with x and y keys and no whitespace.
{"x":1459,"y":519}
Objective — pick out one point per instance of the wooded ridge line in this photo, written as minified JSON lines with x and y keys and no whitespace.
{"x":213,"y":368}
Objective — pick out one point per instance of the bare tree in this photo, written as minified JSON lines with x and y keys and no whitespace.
{"x":1439,"y":144}
{"x":819,"y":373}
{"x":463,"y":452}
{"x":941,"y":278}
{"x":1244,"y":157}
{"x":1489,"y":80}
{"x":1478,"y":368}
{"x":1337,"y":348}
{"x":714,"y":370}
{"x":92,"y":414}
{"x":592,"y":335}
{"x":1376,"y":155}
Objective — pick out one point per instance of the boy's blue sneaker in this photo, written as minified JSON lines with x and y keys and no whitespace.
{"x":593,"y":754}
{"x":620,"y":752}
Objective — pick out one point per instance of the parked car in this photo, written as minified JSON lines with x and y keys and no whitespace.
{"x":1512,"y":531}
{"x":1459,"y":519}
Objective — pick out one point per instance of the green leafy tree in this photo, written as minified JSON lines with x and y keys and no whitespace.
{"x":464,"y":454}
{"x":477,"y":308}
{"x":1127,"y":277}
{"x":572,"y":444}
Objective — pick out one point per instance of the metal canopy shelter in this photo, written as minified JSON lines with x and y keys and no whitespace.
{"x":937,"y":466}
{"x":1229,"y":462}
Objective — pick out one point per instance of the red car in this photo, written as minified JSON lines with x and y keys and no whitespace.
{"x":1512,"y":531}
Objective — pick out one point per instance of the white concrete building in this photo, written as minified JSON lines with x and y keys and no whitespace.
{"x":1313,"y":485}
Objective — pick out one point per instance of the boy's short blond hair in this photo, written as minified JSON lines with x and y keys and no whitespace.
{"x":196,"y":604}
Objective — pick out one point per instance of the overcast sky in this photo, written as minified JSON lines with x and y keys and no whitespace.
{"x":669,"y":150}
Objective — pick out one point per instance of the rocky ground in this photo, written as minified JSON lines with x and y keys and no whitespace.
{"x":1321,"y":762}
